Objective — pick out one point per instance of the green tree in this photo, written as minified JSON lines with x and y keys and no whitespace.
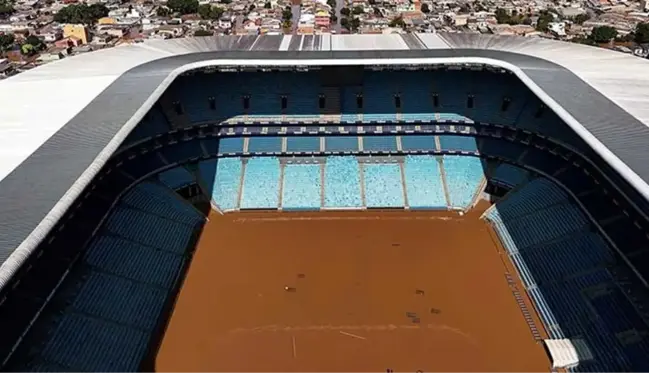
{"x":641,"y":33}
{"x":27,"y":50}
{"x":225,"y":1}
{"x":397,"y":22}
{"x":545,"y":17}
{"x":355,"y":23}
{"x":163,"y":11}
{"x":267,"y":5}
{"x":81,"y":13}
{"x":6,"y":8}
{"x":331,"y":3}
{"x":581,"y":18}
{"x":502,"y":16}
{"x":203,"y":32}
{"x":6,"y":42}
{"x":344,"y":22}
{"x":358,"y":10}
{"x":602,"y":34}
{"x":183,"y":6}
{"x":35,"y":42}
{"x":345,"y":11}
{"x":207,"y":11}
{"x":425,"y":8}
{"x":287,"y":14}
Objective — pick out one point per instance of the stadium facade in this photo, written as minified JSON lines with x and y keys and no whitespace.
{"x":71,"y":128}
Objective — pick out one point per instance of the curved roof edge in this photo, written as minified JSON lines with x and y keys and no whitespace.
{"x":61,"y":166}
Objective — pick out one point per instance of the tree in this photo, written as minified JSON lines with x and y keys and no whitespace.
{"x":372,"y":2}
{"x":35,"y":42}
{"x":355,"y":23}
{"x":6,"y":8}
{"x":581,"y":18}
{"x":358,"y":10}
{"x":251,"y":8}
{"x":207,"y":11}
{"x":163,"y":11}
{"x":642,"y":33}
{"x":397,"y":22}
{"x":27,"y":50}
{"x":545,"y":18}
{"x":6,"y":42}
{"x":203,"y":32}
{"x":331,"y":3}
{"x":501,"y":15}
{"x":287,"y":14}
{"x":602,"y":34}
{"x":425,"y":8}
{"x":81,"y":13}
{"x":183,"y":6}
{"x":226,"y":1}
{"x":345,"y":11}
{"x":334,"y":19}
{"x":344,"y":22}
{"x":267,"y":5}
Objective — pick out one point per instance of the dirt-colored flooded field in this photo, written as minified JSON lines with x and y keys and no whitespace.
{"x":347,"y":291}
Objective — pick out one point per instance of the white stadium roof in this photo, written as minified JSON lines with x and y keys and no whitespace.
{"x":61,"y":122}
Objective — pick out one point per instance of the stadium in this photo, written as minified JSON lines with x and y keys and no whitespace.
{"x":415,"y":202}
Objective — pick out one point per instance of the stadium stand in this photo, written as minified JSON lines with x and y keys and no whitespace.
{"x":383,"y":185}
{"x":463,"y":176}
{"x":302,"y":187}
{"x":342,"y":183}
{"x":261,"y":184}
{"x":424,"y":184}
{"x":563,"y":264}
{"x":105,"y":312}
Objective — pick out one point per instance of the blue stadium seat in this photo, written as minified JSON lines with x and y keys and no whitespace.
{"x":120,"y":300}
{"x":261,"y":184}
{"x":89,"y":344}
{"x":225,"y":191}
{"x":303,"y":144}
{"x":176,"y":178}
{"x":131,"y":260}
{"x":231,"y":145}
{"x":342,"y":183}
{"x":302,"y":187}
{"x":379,"y":143}
{"x":265,"y":145}
{"x":463,"y":176}
{"x":383,"y":185}
{"x":424,"y":183}
{"x":458,"y":143}
{"x":341,"y":143}
{"x":414,"y":142}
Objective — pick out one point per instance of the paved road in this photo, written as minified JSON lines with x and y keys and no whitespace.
{"x":297,"y":10}
{"x":339,"y":6}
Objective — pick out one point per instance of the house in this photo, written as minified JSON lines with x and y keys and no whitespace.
{"x":225,"y":23}
{"x":68,"y":42}
{"x":322,"y":18}
{"x":78,"y":31}
{"x":51,"y":34}
{"x":52,"y":55}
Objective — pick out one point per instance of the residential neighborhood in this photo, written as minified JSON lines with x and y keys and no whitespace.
{"x":34,"y":32}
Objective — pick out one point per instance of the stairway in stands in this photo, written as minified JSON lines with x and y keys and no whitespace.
{"x":332,"y":102}
{"x":176,"y":120}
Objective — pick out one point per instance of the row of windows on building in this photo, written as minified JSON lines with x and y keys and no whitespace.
{"x":322,"y":103}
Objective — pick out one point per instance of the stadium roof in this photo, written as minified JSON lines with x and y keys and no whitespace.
{"x":61,"y":122}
